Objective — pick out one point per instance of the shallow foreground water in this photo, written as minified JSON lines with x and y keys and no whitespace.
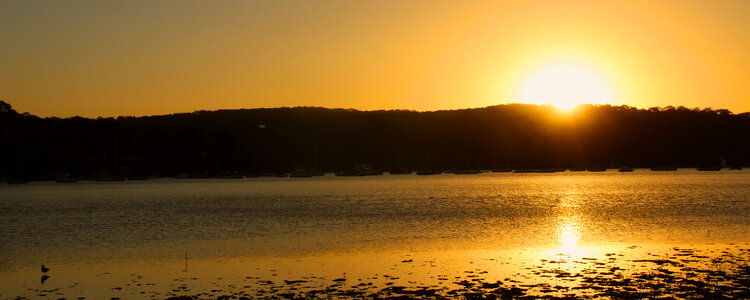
{"x":582,"y":234}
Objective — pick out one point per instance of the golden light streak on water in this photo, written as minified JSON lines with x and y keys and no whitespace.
{"x":569,"y":235}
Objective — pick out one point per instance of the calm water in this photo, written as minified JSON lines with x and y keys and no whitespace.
{"x":171,"y":237}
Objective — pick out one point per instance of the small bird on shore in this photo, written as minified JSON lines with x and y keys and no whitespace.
{"x":44,"y":269}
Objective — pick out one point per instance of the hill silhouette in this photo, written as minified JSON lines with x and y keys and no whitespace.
{"x":255,"y":141}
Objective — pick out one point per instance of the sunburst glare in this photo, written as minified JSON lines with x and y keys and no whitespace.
{"x":565,"y":85}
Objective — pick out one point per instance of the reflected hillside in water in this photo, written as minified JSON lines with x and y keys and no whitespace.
{"x":583,"y":234}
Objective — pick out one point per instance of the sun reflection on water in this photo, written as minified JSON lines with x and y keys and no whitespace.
{"x":568,"y":231}
{"x":569,"y":234}
{"x":568,"y":227}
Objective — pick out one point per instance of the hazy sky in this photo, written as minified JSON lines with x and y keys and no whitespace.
{"x":109,"y":58}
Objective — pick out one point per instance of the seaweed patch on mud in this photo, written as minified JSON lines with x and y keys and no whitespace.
{"x":679,"y":273}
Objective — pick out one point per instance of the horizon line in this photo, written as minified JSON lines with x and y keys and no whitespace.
{"x":392,"y":109}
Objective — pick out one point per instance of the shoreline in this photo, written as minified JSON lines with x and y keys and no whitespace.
{"x":674,"y":272}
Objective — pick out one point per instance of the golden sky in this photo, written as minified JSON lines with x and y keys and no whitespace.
{"x":110,"y":58}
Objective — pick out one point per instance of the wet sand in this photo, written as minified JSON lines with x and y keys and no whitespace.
{"x":712,"y":273}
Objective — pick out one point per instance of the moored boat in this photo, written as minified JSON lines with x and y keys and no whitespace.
{"x":301,"y":172}
{"x":660,"y":169}
{"x":463,"y":172}
{"x":360,"y":170}
{"x":227,"y":175}
{"x":428,"y":172}
{"x":398,"y":171}
{"x":722,"y":164}
{"x":66,"y":180}
{"x":108,"y":178}
{"x":709,"y":169}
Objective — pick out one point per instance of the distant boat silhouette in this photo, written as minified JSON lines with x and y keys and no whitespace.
{"x":182,"y":175}
{"x":360,"y":170}
{"x":459,"y":172}
{"x":663,"y":169}
{"x":301,"y":172}
{"x":67,"y":180}
{"x":227,"y":175}
{"x":722,"y":165}
{"x":736,"y":168}
{"x":538,"y":170}
{"x":597,"y":169}
{"x":398,"y":171}
{"x":428,"y":172}
{"x":709,"y":169}
{"x":44,"y":269}
{"x":626,"y":169}
{"x":501,"y":170}
{"x":108,"y":178}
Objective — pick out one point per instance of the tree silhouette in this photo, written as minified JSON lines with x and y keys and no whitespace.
{"x":6,"y":109}
{"x":256,"y":141}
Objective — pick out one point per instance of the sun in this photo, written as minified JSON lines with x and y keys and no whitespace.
{"x":565,"y":85}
